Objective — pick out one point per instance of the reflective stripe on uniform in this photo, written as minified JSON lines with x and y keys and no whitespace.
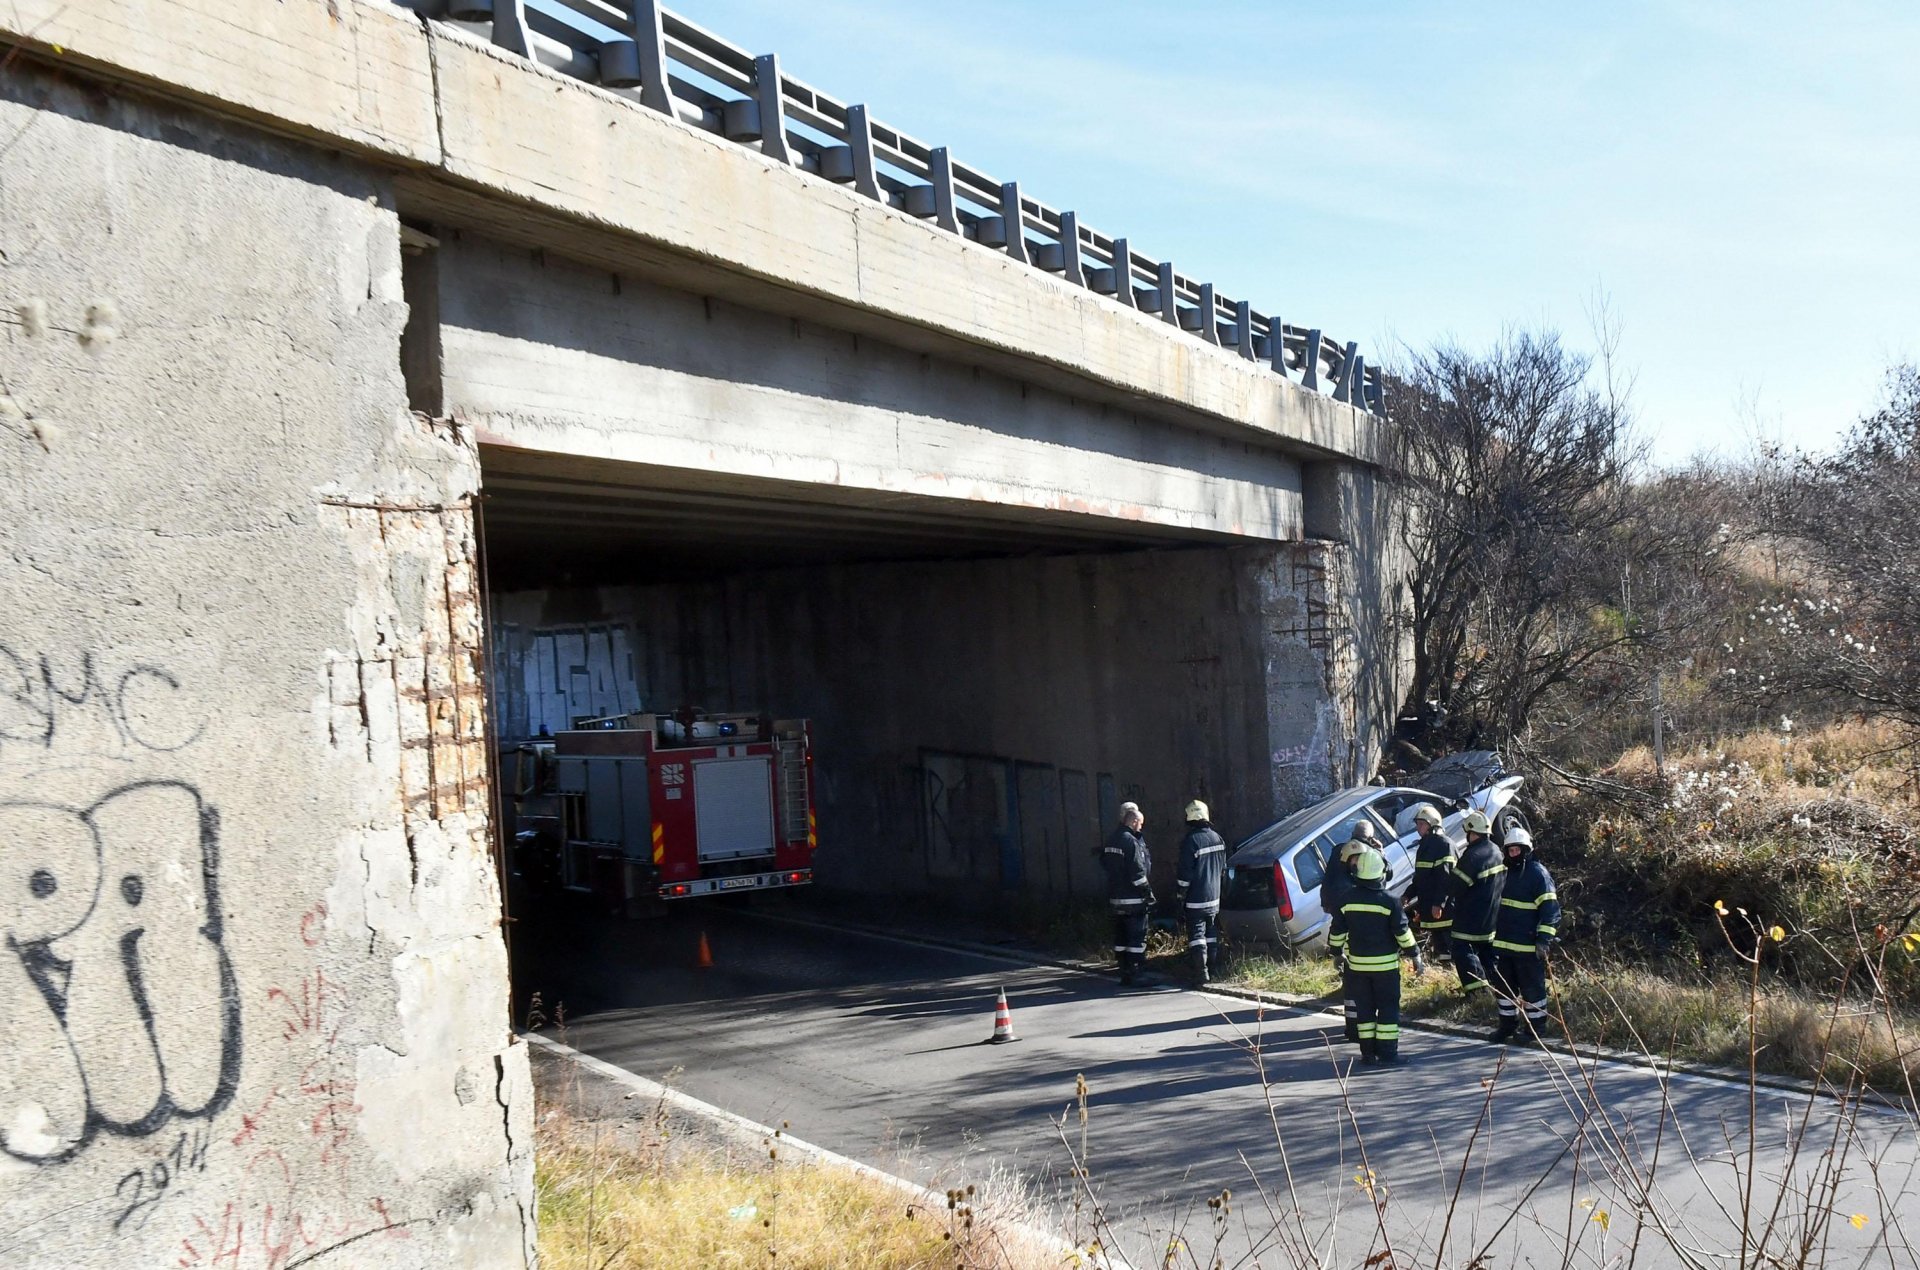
{"x":1213,"y":850}
{"x":1126,"y":904}
{"x":1208,"y":905}
{"x":1508,"y":946}
{"x":1381,"y":909}
{"x":1389,"y":962}
{"x":1549,"y":931}
{"x":1482,"y":876}
{"x":1474,"y":939}
{"x":1534,"y":903}
{"x":1438,"y":923}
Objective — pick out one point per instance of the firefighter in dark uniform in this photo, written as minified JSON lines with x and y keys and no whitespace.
{"x":1370,"y":931}
{"x":1477,"y":878}
{"x":1203,"y":859}
{"x":1529,"y":921}
{"x":1431,"y":903}
{"x":1335,"y":889}
{"x":1129,"y":894}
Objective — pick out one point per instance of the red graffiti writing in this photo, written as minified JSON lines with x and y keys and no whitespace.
{"x":311,"y":923}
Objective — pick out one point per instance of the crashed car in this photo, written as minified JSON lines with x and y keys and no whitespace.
{"x":1273,"y":878}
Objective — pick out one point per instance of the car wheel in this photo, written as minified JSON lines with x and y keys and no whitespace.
{"x":1511,"y":817}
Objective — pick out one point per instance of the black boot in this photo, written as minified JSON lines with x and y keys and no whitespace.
{"x":1508,"y":1026}
{"x":1198,"y":956}
{"x":1369,"y":1051}
{"x":1389,"y":1052}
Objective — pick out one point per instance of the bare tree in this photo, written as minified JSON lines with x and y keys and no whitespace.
{"x":1517,"y":474}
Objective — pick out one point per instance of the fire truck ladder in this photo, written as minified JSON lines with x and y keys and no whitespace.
{"x":793,"y":788}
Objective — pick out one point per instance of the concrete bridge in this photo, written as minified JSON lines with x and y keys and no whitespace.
{"x":378,"y":386}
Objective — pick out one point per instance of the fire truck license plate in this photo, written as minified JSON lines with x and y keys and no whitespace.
{"x":734,"y":884}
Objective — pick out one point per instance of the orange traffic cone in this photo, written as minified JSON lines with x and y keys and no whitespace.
{"x":1002,"y":1022}
{"x":706,"y":953}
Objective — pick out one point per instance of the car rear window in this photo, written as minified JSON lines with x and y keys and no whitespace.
{"x":1250,"y":886}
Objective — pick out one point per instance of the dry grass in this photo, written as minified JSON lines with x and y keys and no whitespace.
{"x":1679,"y":1014}
{"x":620,"y":1194}
{"x":1851,"y":757}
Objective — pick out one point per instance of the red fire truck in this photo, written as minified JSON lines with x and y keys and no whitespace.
{"x":642,"y":807}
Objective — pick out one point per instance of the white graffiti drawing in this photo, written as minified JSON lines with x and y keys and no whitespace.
{"x":117,"y":997}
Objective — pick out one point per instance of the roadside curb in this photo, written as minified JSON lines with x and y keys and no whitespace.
{"x":1303,"y":1004}
{"x":740,"y":1127}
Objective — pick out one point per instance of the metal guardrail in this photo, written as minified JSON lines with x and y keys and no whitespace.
{"x":639,"y":50}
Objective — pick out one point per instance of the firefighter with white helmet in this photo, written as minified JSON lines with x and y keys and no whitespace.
{"x":1529,"y":922}
{"x":1370,"y":932}
{"x":1474,"y":892}
{"x":1429,"y":905}
{"x":1129,"y":893}
{"x":1203,"y":859}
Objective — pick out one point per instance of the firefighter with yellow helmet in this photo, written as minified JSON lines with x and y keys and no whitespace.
{"x":1369,"y":933}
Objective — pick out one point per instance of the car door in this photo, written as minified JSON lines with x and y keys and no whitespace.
{"x":1390,"y":810}
{"x":1308,"y":864}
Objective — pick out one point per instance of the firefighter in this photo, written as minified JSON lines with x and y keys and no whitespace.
{"x":1474,"y":890}
{"x":1203,"y":858}
{"x":1529,"y":921}
{"x":1370,"y":931}
{"x":1430,"y":906}
{"x":1129,"y":894}
{"x":1335,"y":889}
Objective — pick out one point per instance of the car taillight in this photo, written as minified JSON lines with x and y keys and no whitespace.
{"x":1281,"y":893}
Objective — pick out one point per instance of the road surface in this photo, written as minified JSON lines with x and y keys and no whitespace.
{"x":871,"y":1046}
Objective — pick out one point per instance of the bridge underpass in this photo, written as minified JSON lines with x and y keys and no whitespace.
{"x":984,"y":690}
{"x":1005,"y":604}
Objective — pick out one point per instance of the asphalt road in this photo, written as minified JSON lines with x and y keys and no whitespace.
{"x":872,"y":1047}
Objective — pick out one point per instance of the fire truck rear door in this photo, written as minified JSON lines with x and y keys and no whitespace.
{"x":733,"y":807}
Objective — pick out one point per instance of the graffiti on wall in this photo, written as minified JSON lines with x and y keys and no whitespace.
{"x":118,"y":996}
{"x":1006,"y":823}
{"x":122,"y":1013}
{"x":296,"y":1165}
{"x":39,"y":701}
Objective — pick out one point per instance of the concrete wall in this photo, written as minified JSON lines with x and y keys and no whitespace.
{"x":487,"y":140}
{"x":252,"y":992}
{"x":547,"y":355}
{"x":975,"y":723}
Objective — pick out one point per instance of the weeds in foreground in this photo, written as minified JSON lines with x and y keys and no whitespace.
{"x":624,"y":1189}
{"x":1695,"y":1017}
{"x":1799,"y":1181}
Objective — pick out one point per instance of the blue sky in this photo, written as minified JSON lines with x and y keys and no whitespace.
{"x":1741,"y":181}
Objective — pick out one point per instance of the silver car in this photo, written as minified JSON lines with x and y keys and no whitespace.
{"x":1273,"y":878}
